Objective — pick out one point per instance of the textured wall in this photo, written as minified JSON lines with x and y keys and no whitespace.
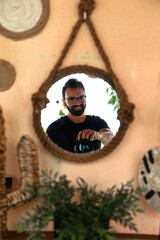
{"x":130,"y":33}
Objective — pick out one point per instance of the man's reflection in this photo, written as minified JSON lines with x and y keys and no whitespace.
{"x":68,"y":131}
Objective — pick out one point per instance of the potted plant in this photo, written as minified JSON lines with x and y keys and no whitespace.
{"x":79,"y":212}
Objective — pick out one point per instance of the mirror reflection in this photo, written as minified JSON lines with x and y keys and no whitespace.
{"x":84,"y":117}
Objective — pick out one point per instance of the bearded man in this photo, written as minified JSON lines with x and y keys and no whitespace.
{"x":68,"y":130}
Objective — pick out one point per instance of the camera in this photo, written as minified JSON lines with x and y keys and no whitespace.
{"x":85,"y":146}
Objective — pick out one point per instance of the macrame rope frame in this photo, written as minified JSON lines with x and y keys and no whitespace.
{"x":32,"y":31}
{"x":39,"y":99}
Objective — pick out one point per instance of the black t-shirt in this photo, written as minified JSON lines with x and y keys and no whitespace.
{"x":64,"y":132}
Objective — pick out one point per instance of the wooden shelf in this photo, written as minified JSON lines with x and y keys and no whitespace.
{"x":12,"y":235}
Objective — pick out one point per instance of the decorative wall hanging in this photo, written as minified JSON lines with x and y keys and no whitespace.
{"x":7,"y":75}
{"x":3,"y":199}
{"x":39,"y":99}
{"x":149,"y":177}
{"x":28,"y":164}
{"x":22,"y":19}
{"x":29,"y":173}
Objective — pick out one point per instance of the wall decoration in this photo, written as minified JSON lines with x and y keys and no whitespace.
{"x":149,"y":177}
{"x":39,"y":99}
{"x":7,"y":75}
{"x":29,"y":174}
{"x":3,"y":199}
{"x":21,"y":19}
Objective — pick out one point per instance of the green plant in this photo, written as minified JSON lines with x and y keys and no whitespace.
{"x":62,"y":111}
{"x":114,"y":100}
{"x":86,"y":218}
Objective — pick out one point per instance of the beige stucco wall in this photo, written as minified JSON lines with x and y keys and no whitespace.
{"x":130,"y":33}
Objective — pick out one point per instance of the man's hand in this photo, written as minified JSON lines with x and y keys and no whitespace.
{"x":104,"y":135}
{"x":89,"y":134}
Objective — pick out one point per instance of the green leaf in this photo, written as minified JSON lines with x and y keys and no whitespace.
{"x":33,"y":234}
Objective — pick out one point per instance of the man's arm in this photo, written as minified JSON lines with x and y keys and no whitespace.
{"x":106,"y":135}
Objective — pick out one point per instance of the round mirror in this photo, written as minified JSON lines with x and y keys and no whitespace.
{"x":104,"y":97}
{"x":101,"y":100}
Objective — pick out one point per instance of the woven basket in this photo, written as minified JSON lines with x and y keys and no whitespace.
{"x":22,"y":19}
{"x":149,"y":177}
{"x":7,"y":75}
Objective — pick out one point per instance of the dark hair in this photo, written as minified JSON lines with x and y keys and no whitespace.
{"x":72,"y":83}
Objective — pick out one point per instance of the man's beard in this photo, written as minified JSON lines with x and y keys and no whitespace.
{"x":76,"y":112}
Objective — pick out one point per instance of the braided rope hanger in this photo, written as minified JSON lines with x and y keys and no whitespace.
{"x":39,"y":99}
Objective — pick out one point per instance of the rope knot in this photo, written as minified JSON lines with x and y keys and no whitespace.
{"x":125,"y":113}
{"x":86,"y":6}
{"x":39,"y":100}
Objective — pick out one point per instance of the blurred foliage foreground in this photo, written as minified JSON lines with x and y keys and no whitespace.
{"x":86,"y":218}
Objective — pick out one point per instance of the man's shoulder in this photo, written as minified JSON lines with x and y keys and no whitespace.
{"x":93,"y":117}
{"x":57,"y":123}
{"x":96,"y":120}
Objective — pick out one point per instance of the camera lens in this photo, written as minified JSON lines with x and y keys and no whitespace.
{"x":83,"y":146}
